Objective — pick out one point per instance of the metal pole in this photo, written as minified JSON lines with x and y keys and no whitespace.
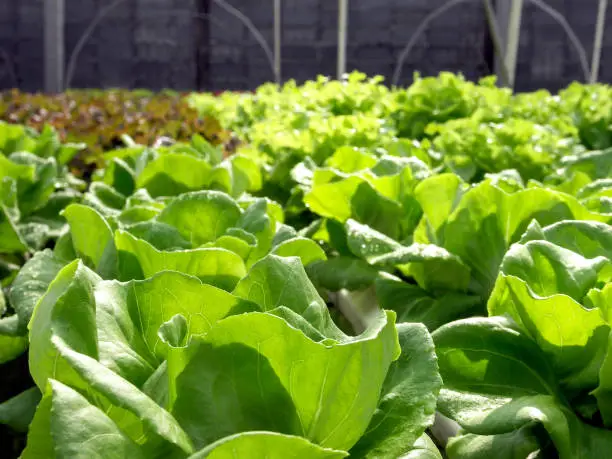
{"x":512,"y":40}
{"x":342,"y":31}
{"x":599,"y":31}
{"x":54,"y":45}
{"x":498,"y":44}
{"x":278,"y":24}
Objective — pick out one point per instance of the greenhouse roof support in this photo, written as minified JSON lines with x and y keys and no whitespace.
{"x":342,"y":35}
{"x":599,"y":32}
{"x":54,"y":11}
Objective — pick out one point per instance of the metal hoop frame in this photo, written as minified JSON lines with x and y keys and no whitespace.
{"x":272,"y":60}
{"x":590,"y":70}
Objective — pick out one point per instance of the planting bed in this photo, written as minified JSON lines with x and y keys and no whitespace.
{"x":307,"y":271}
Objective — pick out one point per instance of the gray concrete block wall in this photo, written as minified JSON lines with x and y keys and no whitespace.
{"x":21,"y":40}
{"x":309,"y":39}
{"x":152,"y":43}
{"x":240,"y":63}
{"x":453,"y":41}
{"x":546,"y":56}
{"x":139,"y":43}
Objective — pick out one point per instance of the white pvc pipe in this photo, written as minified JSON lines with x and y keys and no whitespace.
{"x":342,"y":32}
{"x":512,"y":39}
{"x":599,"y":31}
{"x":278,"y":24}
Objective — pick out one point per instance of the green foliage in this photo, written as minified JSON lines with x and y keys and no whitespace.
{"x":549,"y":357}
{"x":356,"y":259}
{"x":273,"y":329}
